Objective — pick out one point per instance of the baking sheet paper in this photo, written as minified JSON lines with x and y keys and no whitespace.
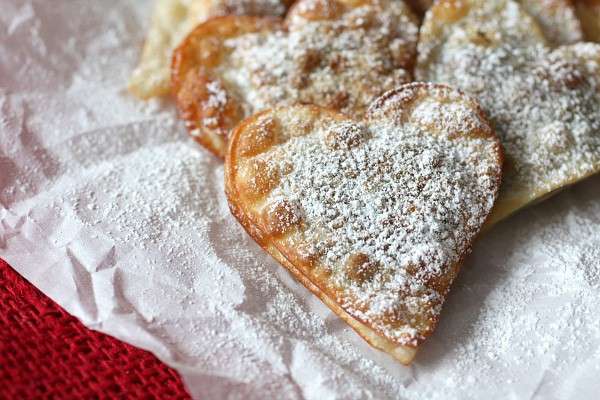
{"x":109,"y":209}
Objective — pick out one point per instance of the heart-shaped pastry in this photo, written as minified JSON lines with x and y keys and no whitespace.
{"x":172,"y":20}
{"x":544,"y":103}
{"x":588,"y":12}
{"x":334,"y":53}
{"x":373,"y":215}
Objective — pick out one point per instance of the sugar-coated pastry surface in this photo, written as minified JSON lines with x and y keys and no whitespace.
{"x":557,"y":19}
{"x":373,"y":215}
{"x":544,"y":103}
{"x":334,"y":53}
{"x":172,"y":20}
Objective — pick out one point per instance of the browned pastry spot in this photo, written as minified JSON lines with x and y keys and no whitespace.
{"x":280,"y":217}
{"x":262,"y":177}
{"x":360,"y":268}
{"x":262,"y":137}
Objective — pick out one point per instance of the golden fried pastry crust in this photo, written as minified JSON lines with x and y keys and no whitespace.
{"x":334,"y":53}
{"x":588,"y":12}
{"x":544,"y":103}
{"x":171,"y":22}
{"x":374,"y":216}
{"x":209,"y":109}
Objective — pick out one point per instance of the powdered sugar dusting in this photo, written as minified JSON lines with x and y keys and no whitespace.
{"x":342,"y":63}
{"x":248,"y":7}
{"x":557,"y":19}
{"x":520,"y":322}
{"x":405,"y":202}
{"x":171,"y":22}
{"x":545,"y":104}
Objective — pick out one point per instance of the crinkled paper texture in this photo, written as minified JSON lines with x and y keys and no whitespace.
{"x":109,"y":209}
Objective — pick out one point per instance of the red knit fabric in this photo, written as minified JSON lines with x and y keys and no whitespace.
{"x":47,"y":354}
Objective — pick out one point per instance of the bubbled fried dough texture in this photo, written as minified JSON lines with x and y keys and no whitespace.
{"x":172,"y":20}
{"x":333,"y":53}
{"x":374,"y":216}
{"x":207,"y":106}
{"x":544,"y":103}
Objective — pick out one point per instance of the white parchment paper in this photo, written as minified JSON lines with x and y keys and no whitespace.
{"x":109,"y":209}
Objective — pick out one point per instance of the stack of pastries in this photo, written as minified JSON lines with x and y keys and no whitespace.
{"x":367,"y":143}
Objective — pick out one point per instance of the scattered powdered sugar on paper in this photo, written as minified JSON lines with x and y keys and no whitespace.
{"x":108,"y":208}
{"x":169,"y":243}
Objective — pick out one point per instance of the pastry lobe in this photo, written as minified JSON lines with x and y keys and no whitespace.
{"x":339,"y":54}
{"x":373,"y":215}
{"x":172,"y":20}
{"x":207,"y":103}
{"x":544,"y":103}
{"x":486,"y":24}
